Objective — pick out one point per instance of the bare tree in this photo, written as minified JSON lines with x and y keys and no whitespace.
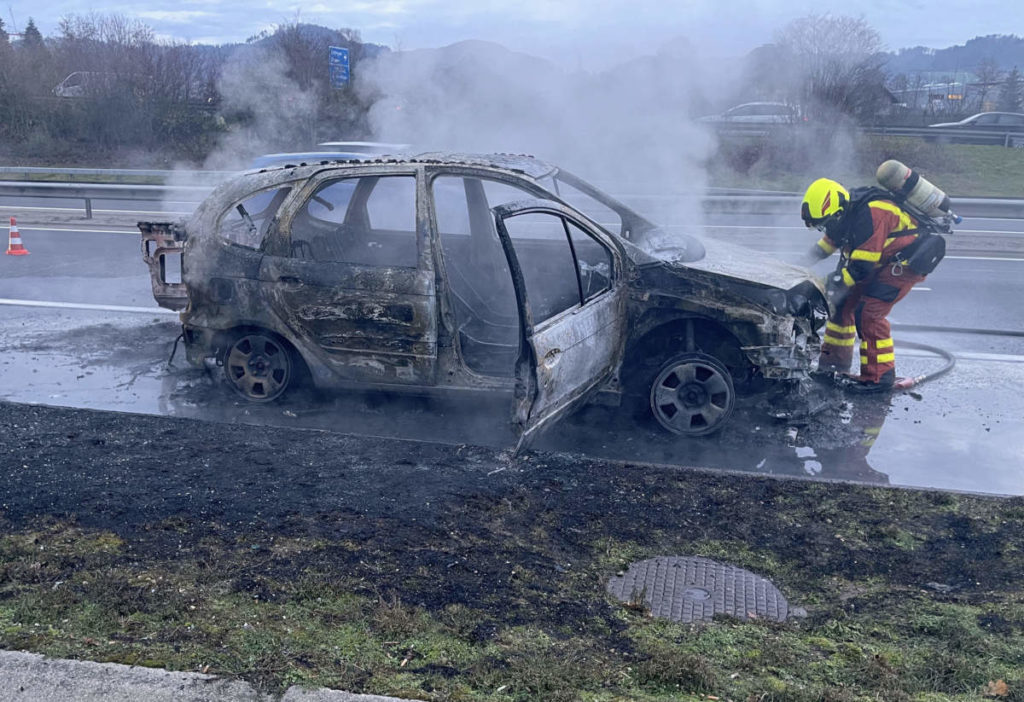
{"x":839,"y":65}
{"x":1011,"y":99}
{"x":114,"y":45}
{"x":989,"y":76}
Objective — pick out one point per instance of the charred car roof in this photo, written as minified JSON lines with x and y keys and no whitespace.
{"x":518,"y":163}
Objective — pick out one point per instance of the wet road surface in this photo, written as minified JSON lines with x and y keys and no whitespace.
{"x":960,"y":432}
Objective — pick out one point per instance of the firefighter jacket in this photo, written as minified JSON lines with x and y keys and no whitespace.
{"x":868,"y":236}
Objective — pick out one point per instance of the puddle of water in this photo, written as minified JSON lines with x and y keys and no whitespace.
{"x":963,"y":434}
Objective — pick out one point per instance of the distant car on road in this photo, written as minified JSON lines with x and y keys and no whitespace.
{"x":997,"y":128}
{"x":757,"y":114}
{"x":86,"y":84}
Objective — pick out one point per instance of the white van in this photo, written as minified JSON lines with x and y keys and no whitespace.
{"x":85,"y":84}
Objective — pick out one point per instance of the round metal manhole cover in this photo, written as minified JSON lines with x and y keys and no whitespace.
{"x":692,"y":589}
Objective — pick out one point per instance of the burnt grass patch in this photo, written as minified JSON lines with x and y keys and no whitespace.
{"x":460,"y":573}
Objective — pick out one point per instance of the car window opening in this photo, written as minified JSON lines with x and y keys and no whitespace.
{"x":368,"y":221}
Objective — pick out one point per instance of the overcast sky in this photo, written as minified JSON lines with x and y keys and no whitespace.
{"x":584,"y":33}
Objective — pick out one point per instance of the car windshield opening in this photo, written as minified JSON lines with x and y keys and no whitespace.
{"x":617,"y":218}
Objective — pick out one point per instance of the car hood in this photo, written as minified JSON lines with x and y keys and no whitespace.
{"x":748,"y":265}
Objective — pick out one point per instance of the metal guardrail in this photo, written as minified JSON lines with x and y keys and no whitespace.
{"x":991,"y":137}
{"x":733,"y":203}
{"x":110,"y":176}
{"x":87,"y":192}
{"x":788,"y":204}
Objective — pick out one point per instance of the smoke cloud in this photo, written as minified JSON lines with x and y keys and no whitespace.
{"x":276,"y":113}
{"x":626,"y":129}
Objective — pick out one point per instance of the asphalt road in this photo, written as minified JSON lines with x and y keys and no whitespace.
{"x":961,"y":432}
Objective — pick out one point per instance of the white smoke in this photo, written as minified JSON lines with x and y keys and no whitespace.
{"x":629,"y":129}
{"x":277,"y":112}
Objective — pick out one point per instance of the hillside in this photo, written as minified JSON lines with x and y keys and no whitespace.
{"x":1006,"y":51}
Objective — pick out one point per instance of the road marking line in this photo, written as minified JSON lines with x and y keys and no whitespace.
{"x":984,"y":258}
{"x":800,"y":228}
{"x":1005,"y":358}
{"x":788,"y":252}
{"x":967,"y":356}
{"x":83,"y":306}
{"x":919,"y":289}
{"x":134,"y":231}
{"x":78,"y":210}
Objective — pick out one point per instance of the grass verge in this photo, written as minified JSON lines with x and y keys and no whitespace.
{"x":911,"y":596}
{"x":962,"y":170}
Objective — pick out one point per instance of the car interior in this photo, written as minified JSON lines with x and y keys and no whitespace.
{"x":369,"y":221}
{"x":562,"y":267}
{"x":480,"y":286}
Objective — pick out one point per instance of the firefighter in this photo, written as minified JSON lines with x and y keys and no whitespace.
{"x":874,"y":237}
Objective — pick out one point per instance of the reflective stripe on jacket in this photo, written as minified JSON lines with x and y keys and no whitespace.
{"x":871,"y":236}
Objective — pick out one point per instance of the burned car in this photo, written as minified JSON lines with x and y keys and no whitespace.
{"x":461,"y":273}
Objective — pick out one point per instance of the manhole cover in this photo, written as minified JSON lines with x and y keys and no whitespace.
{"x":691,"y":589}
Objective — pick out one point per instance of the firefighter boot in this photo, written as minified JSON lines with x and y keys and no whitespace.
{"x":857,"y":384}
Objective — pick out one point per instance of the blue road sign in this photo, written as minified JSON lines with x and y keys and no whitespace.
{"x":337,"y":64}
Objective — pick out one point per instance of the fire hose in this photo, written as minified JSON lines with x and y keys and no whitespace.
{"x":907,"y":383}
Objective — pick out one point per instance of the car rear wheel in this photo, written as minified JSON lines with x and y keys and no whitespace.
{"x":259,"y":366}
{"x":692,"y":395}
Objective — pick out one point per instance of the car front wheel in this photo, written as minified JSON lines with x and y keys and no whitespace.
{"x":692,"y":395}
{"x":259,"y":366}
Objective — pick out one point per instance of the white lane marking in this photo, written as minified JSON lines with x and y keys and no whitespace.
{"x":83,"y":306}
{"x":919,"y":289}
{"x":984,"y":258}
{"x":134,"y":231}
{"x":1003,"y":358}
{"x":967,"y":356}
{"x":78,"y":210}
{"x":796,"y":228}
{"x":790,"y":252}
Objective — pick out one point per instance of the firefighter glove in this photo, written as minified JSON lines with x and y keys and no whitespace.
{"x":836,"y":289}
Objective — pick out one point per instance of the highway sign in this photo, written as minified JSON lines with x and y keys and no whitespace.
{"x":337,"y":64}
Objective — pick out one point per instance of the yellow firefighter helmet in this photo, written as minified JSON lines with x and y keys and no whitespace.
{"x":823,"y":199}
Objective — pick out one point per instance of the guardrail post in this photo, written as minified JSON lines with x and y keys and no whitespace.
{"x":88,"y":208}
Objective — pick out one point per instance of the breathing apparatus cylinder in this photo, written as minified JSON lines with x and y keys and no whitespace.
{"x":902,"y":180}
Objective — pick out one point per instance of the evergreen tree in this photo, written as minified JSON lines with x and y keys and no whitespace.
{"x":32,"y":38}
{"x":5,"y":38}
{"x":1012,"y":97}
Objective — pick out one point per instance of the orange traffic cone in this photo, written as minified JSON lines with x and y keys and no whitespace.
{"x":15,"y":248}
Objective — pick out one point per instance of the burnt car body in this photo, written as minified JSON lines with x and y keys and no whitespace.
{"x":462,"y":273}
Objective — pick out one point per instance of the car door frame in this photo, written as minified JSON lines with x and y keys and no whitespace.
{"x":534,"y":410}
{"x":364,"y":367}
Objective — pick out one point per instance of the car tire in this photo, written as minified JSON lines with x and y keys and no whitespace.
{"x":692,"y":395}
{"x":260,"y":366}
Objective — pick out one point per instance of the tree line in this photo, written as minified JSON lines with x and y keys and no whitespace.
{"x":126,"y":96}
{"x":139,"y":100}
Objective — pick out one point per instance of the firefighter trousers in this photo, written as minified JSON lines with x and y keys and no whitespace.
{"x":864,"y":314}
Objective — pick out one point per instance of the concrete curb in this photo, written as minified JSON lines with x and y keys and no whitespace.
{"x":30,"y":677}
